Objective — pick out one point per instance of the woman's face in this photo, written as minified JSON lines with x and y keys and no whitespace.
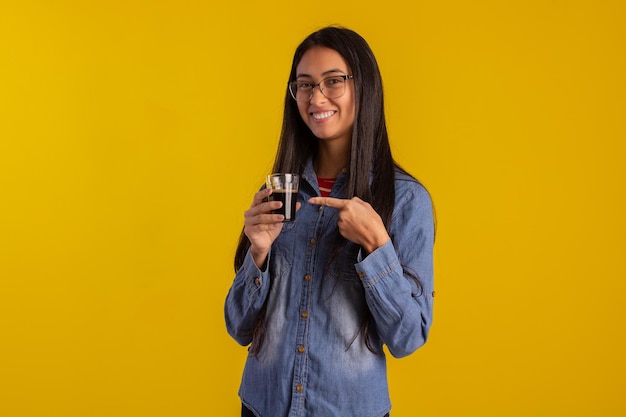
{"x":328,"y":119}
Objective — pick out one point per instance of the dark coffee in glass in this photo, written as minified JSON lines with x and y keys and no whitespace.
{"x":284,"y":189}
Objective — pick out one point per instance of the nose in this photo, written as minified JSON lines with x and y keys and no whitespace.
{"x":318,"y":96}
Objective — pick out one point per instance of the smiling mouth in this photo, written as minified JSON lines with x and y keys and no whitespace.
{"x":322,"y":116}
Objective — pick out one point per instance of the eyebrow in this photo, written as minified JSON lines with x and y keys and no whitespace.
{"x":323,"y":74}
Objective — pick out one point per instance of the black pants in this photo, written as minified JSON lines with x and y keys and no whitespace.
{"x":247,"y":413}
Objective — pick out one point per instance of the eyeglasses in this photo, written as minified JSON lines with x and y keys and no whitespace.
{"x":331,"y":87}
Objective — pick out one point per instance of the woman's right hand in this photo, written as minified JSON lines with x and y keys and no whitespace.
{"x":261,"y":226}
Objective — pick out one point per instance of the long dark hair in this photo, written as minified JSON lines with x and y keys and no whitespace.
{"x":372,"y":168}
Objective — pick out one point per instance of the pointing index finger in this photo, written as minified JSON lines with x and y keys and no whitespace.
{"x":329,"y":201}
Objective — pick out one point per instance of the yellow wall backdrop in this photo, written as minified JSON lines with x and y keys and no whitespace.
{"x":134,"y":133}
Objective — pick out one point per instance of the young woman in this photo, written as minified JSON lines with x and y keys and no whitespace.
{"x":317,"y":298}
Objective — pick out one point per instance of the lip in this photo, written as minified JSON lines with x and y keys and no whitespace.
{"x":320,"y":116}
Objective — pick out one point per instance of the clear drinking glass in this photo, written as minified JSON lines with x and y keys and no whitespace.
{"x":285,"y":189}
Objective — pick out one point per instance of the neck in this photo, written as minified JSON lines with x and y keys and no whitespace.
{"x":331,"y":159}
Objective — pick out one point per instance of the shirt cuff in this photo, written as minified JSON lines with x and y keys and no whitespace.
{"x":255,"y":278}
{"x":377,"y":264}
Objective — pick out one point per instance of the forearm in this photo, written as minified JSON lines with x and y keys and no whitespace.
{"x":245,"y":300}
{"x":401,"y":308}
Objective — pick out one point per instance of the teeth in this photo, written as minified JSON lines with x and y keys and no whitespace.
{"x":320,"y":116}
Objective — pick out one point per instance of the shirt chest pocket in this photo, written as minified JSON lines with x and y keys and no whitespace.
{"x":342,"y":262}
{"x":284,"y":249}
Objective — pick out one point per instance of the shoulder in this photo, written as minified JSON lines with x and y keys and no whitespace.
{"x":408,"y":186}
{"x":411,"y":195}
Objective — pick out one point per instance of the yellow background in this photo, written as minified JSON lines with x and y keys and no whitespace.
{"x":134,"y":133}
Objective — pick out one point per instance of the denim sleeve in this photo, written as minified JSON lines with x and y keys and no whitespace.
{"x":401,"y":308}
{"x":245,"y":299}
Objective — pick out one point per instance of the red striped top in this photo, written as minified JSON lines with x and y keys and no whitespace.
{"x":326,"y":184}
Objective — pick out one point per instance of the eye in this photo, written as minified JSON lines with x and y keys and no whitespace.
{"x":334,"y":83}
{"x":304,"y":85}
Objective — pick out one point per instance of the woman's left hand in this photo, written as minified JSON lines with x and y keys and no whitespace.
{"x":358,"y":221}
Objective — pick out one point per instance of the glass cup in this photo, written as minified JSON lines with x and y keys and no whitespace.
{"x":284,"y":189}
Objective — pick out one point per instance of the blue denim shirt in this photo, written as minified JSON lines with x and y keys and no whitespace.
{"x":314,"y":361}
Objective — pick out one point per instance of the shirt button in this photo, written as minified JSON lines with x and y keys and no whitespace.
{"x":307,"y":277}
{"x":361,"y":274}
{"x":304,"y":314}
{"x":320,"y":208}
{"x":300,"y":349}
{"x":312,"y":241}
{"x":257,"y":281}
{"x":299,"y":387}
